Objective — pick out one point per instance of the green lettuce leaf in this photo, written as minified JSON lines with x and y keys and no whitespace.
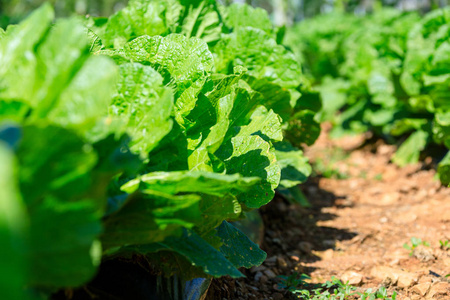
{"x":444,"y":170}
{"x":149,"y":217}
{"x":409,"y":151}
{"x":238,"y":248}
{"x":295,"y":168}
{"x":61,"y":169}
{"x":303,"y":128}
{"x":143,"y":106}
{"x":13,"y":230}
{"x":83,"y":104}
{"x":253,"y":49}
{"x":64,"y":251}
{"x":275,"y":97}
{"x":140,"y":17}
{"x":18,"y":60}
{"x":185,"y":182}
{"x":252,"y":156}
{"x":55,"y":183}
{"x":441,"y":128}
{"x":218,"y":192}
{"x":200,"y":19}
{"x":201,"y":256}
{"x":63,"y":85}
{"x":186,"y":62}
{"x":239,"y":15}
{"x":423,"y":41}
{"x":229,"y":103}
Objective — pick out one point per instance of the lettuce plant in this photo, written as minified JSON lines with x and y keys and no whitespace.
{"x":384,"y":72}
{"x":145,"y":134}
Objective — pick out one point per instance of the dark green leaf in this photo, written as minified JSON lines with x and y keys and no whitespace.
{"x":62,"y":169}
{"x":203,"y":255}
{"x":238,"y":248}
{"x":303,"y":128}
{"x":65,"y":250}
{"x":409,"y":151}
{"x":150,"y":217}
{"x":13,"y":229}
{"x":444,"y":170}
{"x":295,"y":168}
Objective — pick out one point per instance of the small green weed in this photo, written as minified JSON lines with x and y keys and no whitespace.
{"x":381,"y":293}
{"x":326,"y":166}
{"x":293,"y":281}
{"x":327,"y":170}
{"x":445,"y":244}
{"x":330,"y":290}
{"x":378,"y":177}
{"x":415,"y":242}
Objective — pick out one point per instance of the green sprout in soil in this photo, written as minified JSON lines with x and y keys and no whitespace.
{"x":415,"y":242}
{"x":363,"y":174}
{"x":381,"y":293}
{"x":445,"y":244}
{"x":293,"y":281}
{"x":330,"y":290}
{"x":378,"y":177}
{"x":327,"y":170}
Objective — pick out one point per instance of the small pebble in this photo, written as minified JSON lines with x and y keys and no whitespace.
{"x":270,"y":273}
{"x":258,"y":276}
{"x":295,"y":258}
{"x":281,"y":262}
{"x":277,"y":296}
{"x":276,"y":241}
{"x":305,"y":247}
{"x":258,"y":269}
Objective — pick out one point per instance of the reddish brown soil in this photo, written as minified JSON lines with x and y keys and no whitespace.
{"x":356,"y":228}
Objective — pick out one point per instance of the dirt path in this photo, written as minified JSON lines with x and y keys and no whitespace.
{"x":356,"y":228}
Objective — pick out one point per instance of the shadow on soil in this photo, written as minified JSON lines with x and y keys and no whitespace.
{"x":292,"y":235}
{"x":295,"y":231}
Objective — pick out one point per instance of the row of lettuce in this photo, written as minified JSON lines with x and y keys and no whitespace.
{"x":388,"y":72}
{"x":144,"y":133}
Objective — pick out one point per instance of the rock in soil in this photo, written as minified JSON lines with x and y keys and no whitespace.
{"x":270,"y":274}
{"x":423,"y":253}
{"x":258,"y":276}
{"x":352,"y":278}
{"x":421,"y":289}
{"x":439,"y":291}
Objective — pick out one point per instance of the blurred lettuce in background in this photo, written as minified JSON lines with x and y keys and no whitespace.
{"x":282,"y":12}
